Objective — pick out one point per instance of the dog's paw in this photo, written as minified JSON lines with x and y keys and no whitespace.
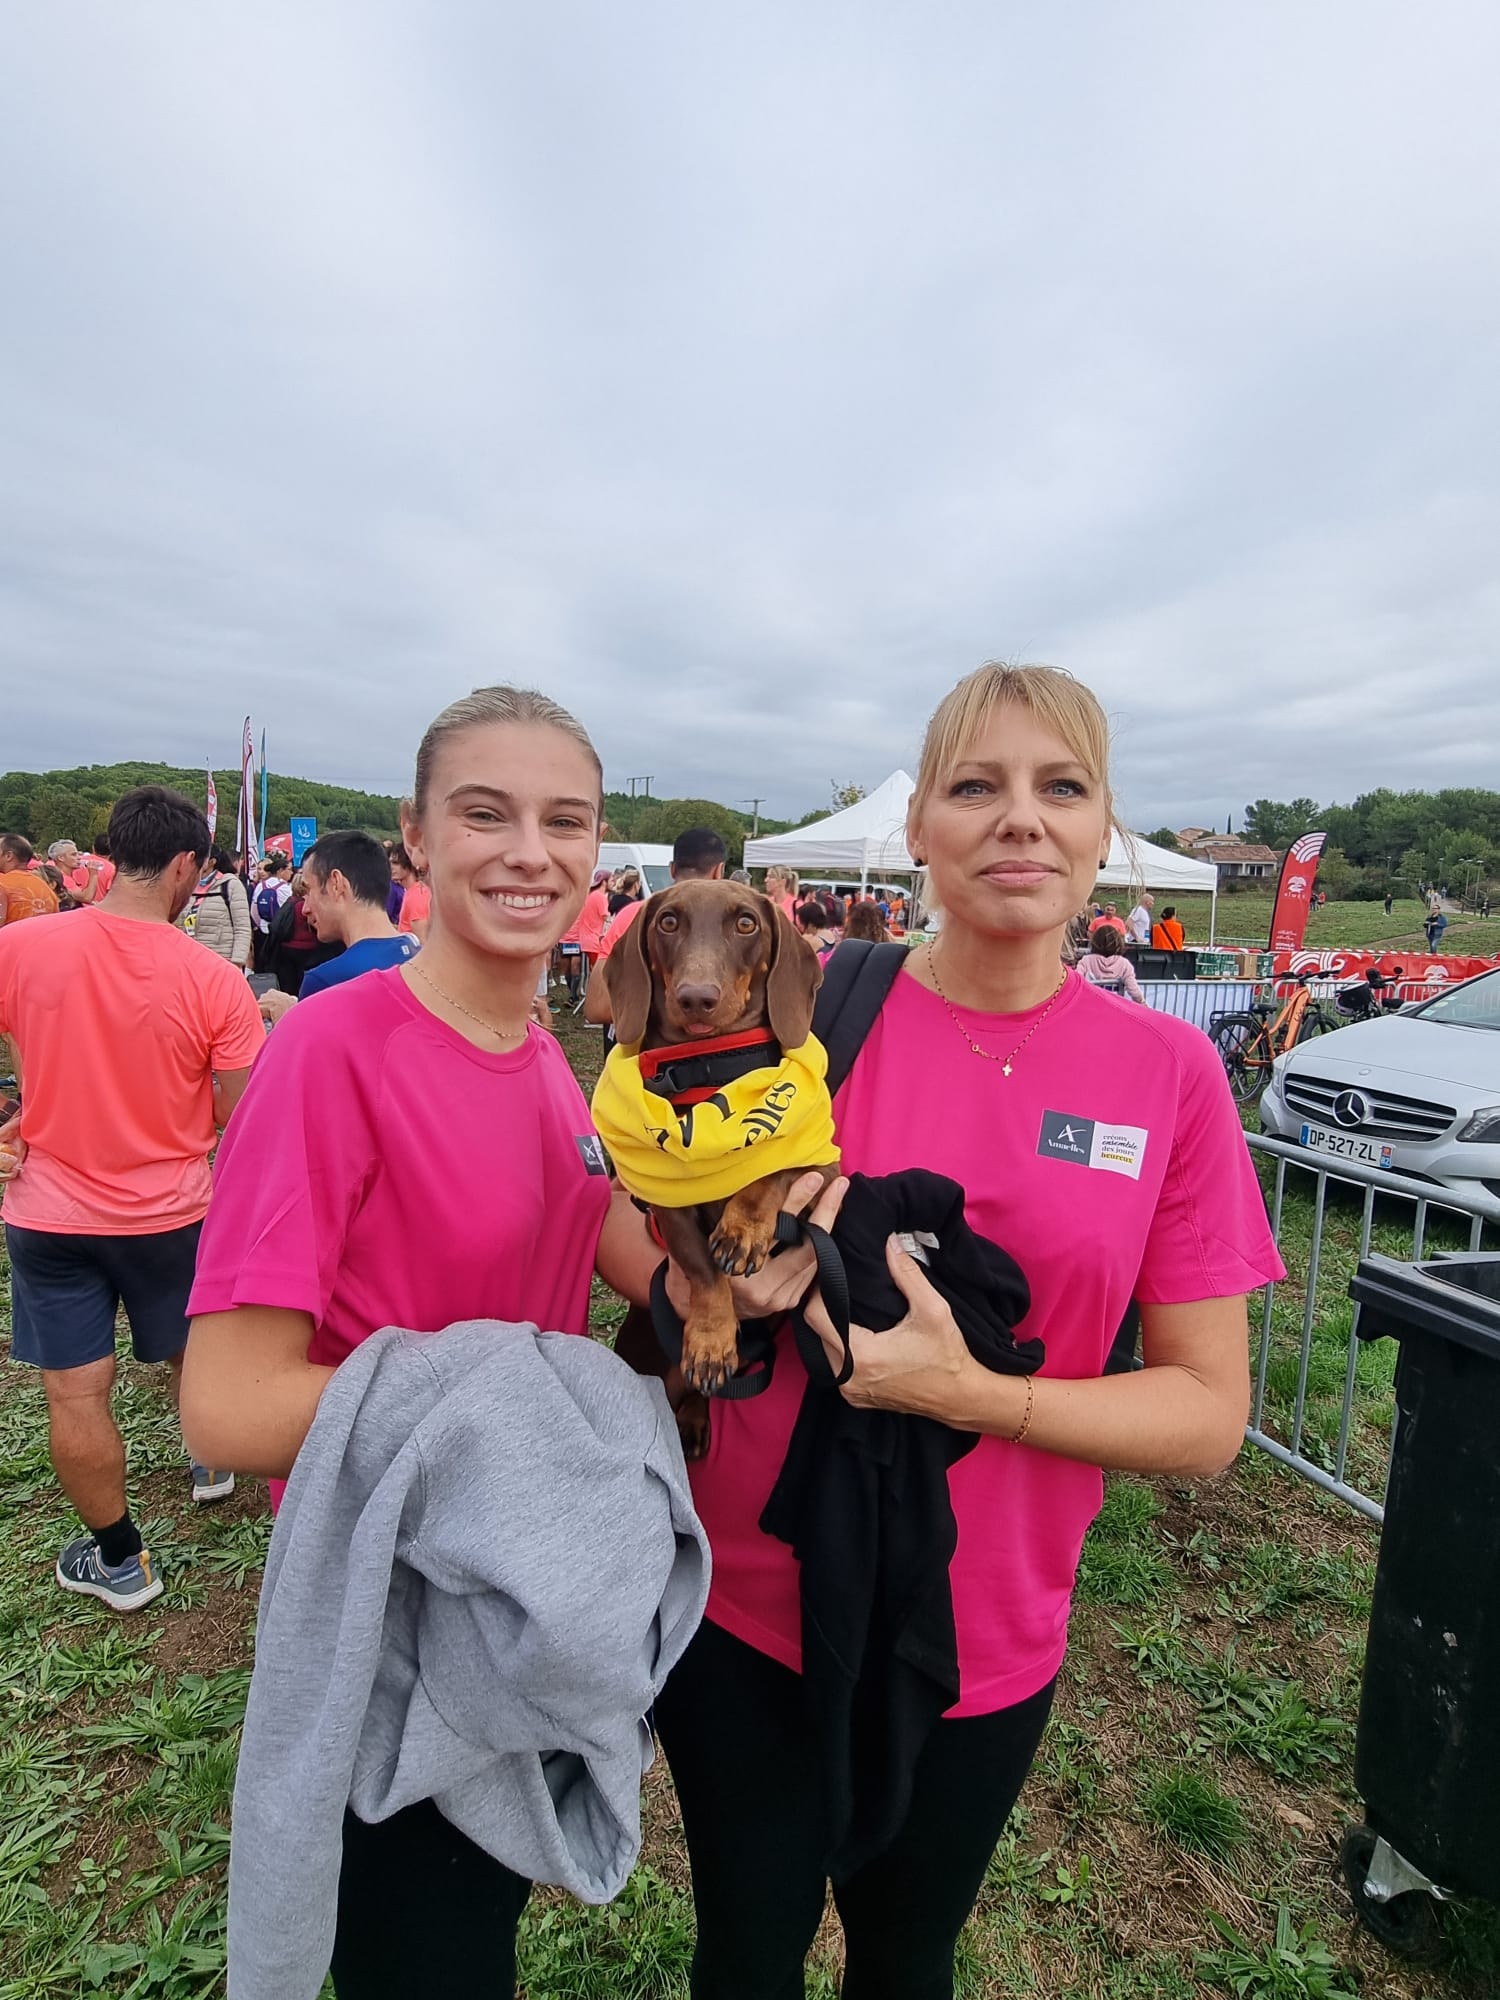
{"x":710,"y":1349}
{"x":742,"y":1243}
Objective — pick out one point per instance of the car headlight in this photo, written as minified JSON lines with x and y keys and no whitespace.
{"x":1483,"y":1129}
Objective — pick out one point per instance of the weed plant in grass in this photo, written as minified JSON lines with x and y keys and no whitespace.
{"x":1195,"y":1814}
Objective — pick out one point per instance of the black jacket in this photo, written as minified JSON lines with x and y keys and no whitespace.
{"x":863,"y":1500}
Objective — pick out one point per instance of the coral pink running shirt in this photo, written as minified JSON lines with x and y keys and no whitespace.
{"x":1111,"y":1164}
{"x":382,"y":1171}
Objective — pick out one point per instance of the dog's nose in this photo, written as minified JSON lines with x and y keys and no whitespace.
{"x":698,"y":999}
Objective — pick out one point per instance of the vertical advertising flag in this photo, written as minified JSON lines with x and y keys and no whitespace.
{"x":244,"y":823}
{"x":211,"y":813}
{"x":263,"y":782}
{"x":1294,"y":892}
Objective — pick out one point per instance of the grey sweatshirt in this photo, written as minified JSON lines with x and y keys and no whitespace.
{"x":485,"y":1566}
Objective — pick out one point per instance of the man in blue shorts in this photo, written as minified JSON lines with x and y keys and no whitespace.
{"x":134,"y":1047}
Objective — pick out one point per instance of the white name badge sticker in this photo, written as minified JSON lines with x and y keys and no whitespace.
{"x":1118,"y":1149}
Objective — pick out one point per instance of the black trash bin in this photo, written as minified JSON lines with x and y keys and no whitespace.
{"x":1427,"y":1759}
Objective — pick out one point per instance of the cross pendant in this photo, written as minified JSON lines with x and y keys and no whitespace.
{"x":1005,"y":1069}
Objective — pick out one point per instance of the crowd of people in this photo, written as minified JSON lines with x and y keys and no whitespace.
{"x":390,"y":1141}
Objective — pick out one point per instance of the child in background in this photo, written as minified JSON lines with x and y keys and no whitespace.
{"x":1106,"y":964}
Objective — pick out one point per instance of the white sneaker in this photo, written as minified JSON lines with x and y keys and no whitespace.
{"x":210,"y":1485}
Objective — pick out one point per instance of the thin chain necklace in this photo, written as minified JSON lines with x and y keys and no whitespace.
{"x":1005,"y":1062}
{"x":501,"y":1034}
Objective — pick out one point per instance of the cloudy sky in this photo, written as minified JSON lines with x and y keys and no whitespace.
{"x":742,"y":376}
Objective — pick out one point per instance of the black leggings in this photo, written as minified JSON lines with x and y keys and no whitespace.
{"x":732,"y":1724}
{"x":422,"y":1910}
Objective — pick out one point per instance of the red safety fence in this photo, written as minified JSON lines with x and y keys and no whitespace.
{"x":1422,"y":973}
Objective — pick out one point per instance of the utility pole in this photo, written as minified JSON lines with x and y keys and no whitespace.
{"x":755,"y":806}
{"x":645,"y":783}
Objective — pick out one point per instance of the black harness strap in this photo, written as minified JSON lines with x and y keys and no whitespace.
{"x":690,"y":1071}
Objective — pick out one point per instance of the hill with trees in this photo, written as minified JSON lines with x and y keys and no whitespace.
{"x":75,"y":805}
{"x":61,"y":805}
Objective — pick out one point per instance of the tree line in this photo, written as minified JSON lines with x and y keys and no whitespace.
{"x":75,"y":805}
{"x":1386,"y":839}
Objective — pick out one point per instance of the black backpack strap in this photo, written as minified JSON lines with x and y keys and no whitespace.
{"x":856,"y":980}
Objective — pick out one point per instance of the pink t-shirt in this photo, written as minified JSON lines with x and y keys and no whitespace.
{"x":1117,"y":970}
{"x":1112,"y":1165}
{"x":382,"y":1171}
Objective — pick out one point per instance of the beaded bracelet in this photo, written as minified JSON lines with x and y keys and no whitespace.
{"x":1030,"y":1404}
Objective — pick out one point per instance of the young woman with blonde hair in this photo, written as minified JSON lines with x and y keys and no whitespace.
{"x":1099,"y":1145}
{"x":410,"y":1151}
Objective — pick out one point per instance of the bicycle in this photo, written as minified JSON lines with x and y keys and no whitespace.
{"x":1249,"y":1043}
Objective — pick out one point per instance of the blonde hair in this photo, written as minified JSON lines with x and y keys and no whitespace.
{"x":498,"y":704}
{"x":1050,"y":695}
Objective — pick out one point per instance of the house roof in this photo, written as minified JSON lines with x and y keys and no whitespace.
{"x":1222,"y":849}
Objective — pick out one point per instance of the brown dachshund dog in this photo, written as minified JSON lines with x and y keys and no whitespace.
{"x":703,"y":960}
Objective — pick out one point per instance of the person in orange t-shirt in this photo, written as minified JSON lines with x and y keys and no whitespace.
{"x":416,"y":899}
{"x":23,"y":893}
{"x":134,"y":1045}
{"x":1167,"y":933}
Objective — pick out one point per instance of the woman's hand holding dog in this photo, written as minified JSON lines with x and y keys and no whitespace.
{"x":779,"y":1285}
{"x":921,"y":1365}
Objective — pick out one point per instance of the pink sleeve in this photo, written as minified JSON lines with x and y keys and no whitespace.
{"x":1209,"y":1237}
{"x":289,"y":1176}
{"x":1131,"y":984}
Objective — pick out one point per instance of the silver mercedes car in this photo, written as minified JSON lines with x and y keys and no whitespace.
{"x":1415,"y":1093}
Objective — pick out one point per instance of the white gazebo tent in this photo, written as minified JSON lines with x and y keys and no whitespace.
{"x":865,"y":839}
{"x":1142,"y":865}
{"x":869,"y":839}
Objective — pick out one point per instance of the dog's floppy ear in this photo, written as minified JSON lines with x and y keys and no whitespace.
{"x":793,"y":980}
{"x":627,"y":980}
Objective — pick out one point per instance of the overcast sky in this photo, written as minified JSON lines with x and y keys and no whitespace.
{"x":743,"y":376}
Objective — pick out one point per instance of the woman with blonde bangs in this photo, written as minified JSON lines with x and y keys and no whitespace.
{"x":1099,"y":1145}
{"x":410,"y":1151}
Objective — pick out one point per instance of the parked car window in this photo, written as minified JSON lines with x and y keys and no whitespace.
{"x":1475,"y":1004}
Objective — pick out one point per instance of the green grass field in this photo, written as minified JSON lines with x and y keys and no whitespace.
{"x":1197,"y":1772}
{"x":1247,"y":919}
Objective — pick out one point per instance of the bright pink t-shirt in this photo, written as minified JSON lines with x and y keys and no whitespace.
{"x":1111,"y":1164}
{"x":382,"y":1171}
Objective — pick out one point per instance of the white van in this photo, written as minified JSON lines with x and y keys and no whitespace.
{"x":883,"y":892}
{"x":652,"y":860}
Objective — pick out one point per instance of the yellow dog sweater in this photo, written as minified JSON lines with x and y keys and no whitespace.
{"x":676,"y":1147}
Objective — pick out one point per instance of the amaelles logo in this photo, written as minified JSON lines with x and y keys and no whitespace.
{"x":1066,"y":1138}
{"x":1091,"y":1142}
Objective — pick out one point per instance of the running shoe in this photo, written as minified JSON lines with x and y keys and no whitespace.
{"x":81,"y":1569}
{"x":211,"y":1485}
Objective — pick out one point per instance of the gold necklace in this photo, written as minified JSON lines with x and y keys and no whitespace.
{"x":1005,"y":1063}
{"x":501,"y":1034}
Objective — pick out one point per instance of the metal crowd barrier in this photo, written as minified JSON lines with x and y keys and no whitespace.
{"x":1424,"y":1197}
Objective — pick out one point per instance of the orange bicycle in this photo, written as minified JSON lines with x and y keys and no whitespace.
{"x":1249,"y":1043}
